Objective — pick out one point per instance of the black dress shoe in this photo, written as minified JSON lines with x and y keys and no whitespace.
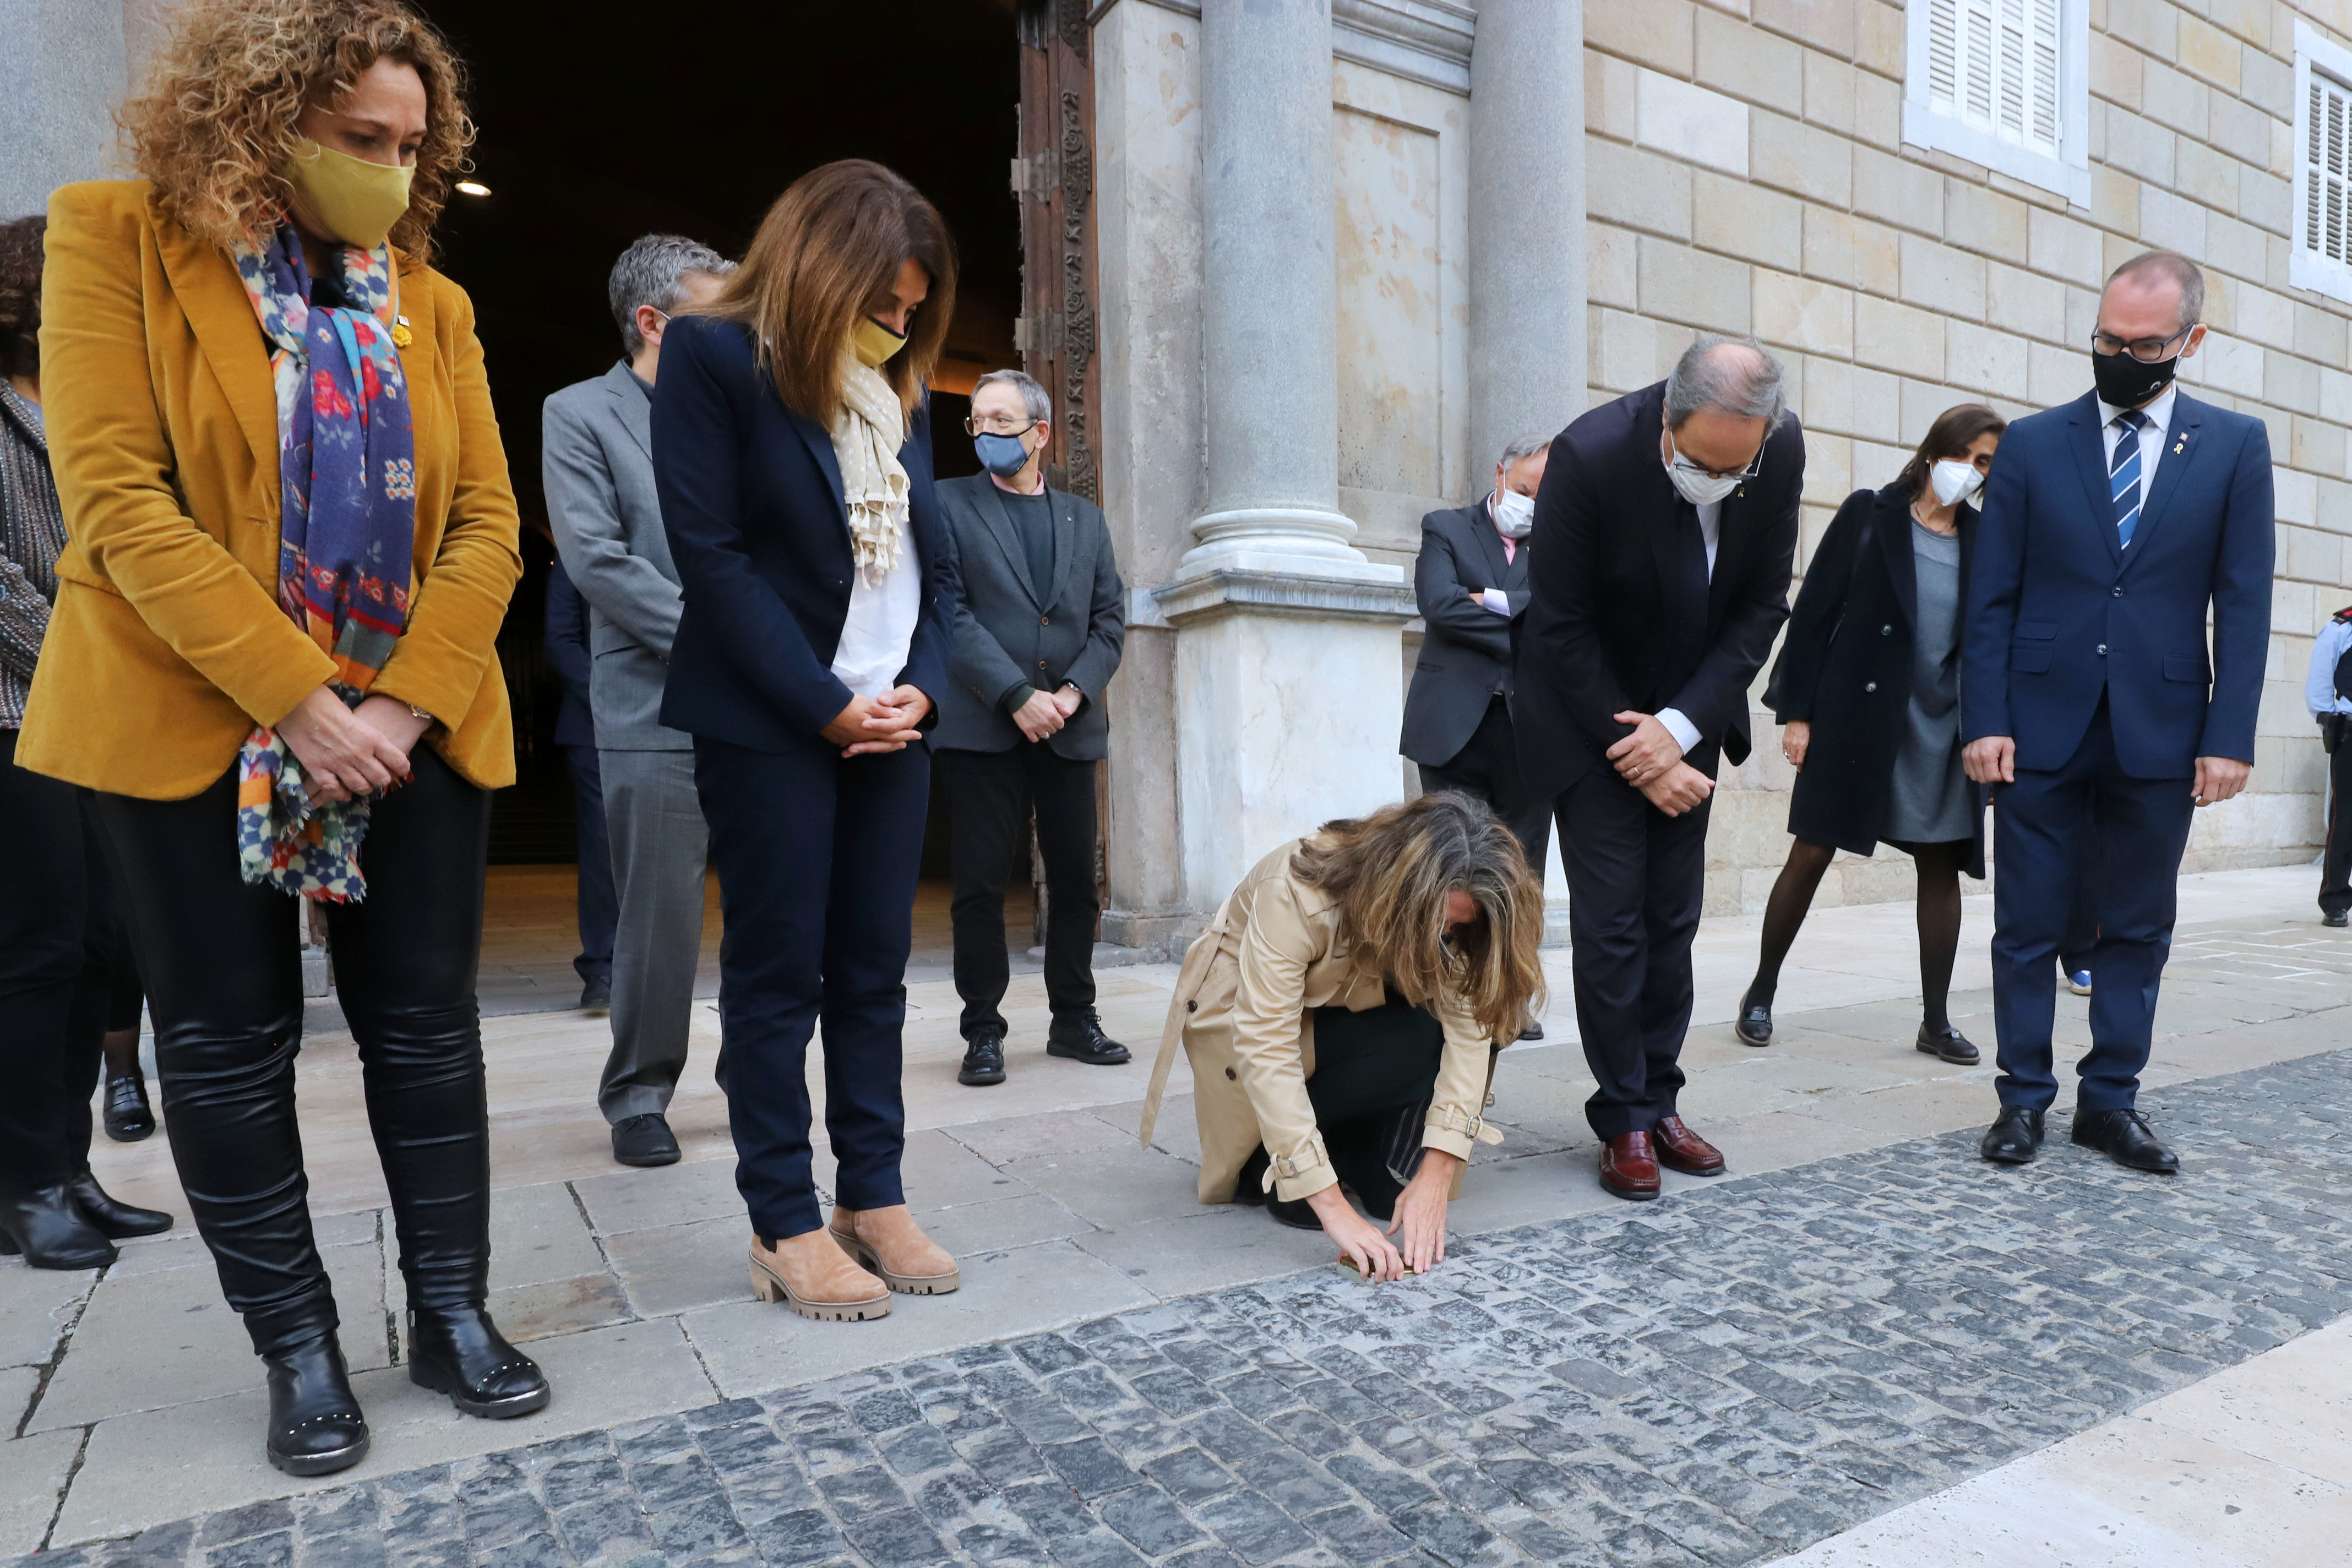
{"x":1081,"y":1039}
{"x":2014,"y":1138}
{"x":983,"y":1059}
{"x":1532,"y":1032}
{"x":110,"y":1218}
{"x":459,"y":1352}
{"x":129,"y":1118}
{"x":1947,"y":1044}
{"x":46,"y":1226}
{"x":1753,"y":1025}
{"x":596,"y":997}
{"x":2125,"y":1137}
{"x":315,"y":1425}
{"x":645,"y":1141}
{"x":2337,"y":918}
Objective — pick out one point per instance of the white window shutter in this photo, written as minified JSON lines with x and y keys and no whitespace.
{"x":1994,"y":64}
{"x":2325,"y":175}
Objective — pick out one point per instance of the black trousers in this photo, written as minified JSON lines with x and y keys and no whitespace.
{"x":1636,"y":878}
{"x":817,"y":858}
{"x":63,"y":959}
{"x":2335,"y":864}
{"x":1487,"y":767}
{"x":991,"y":795}
{"x":599,"y":906}
{"x":224,"y":988}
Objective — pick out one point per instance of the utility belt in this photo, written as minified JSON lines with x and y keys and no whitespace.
{"x":2332,"y":729}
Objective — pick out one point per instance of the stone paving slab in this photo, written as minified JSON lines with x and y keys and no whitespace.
{"x":1721,"y":1379}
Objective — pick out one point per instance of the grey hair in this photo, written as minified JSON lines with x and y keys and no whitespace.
{"x":1040,"y":407}
{"x":1525,"y":447}
{"x":1732,"y":383}
{"x":2150,"y":265}
{"x":653,"y":272}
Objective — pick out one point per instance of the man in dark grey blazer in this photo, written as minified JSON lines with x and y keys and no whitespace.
{"x":1040,"y":624}
{"x":597,"y":466}
{"x":1472,"y":584}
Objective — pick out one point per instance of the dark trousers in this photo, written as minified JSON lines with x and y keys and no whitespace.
{"x":2049,"y":821}
{"x":1488,"y":769}
{"x":2082,"y":913}
{"x":2335,"y":864}
{"x":224,"y":988}
{"x":599,"y":908}
{"x":1636,"y":878}
{"x":990,"y":797}
{"x":817,"y":858}
{"x":63,"y":956}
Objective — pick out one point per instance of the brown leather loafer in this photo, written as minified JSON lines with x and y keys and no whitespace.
{"x":1628,"y":1167}
{"x":1680,"y":1149}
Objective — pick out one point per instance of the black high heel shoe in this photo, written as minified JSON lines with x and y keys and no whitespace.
{"x":459,"y":1352}
{"x":315,"y":1425}
{"x":46,"y":1226}
{"x":129,"y":1117}
{"x":108,"y":1216}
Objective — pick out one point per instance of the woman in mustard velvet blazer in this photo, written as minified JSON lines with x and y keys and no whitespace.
{"x":291,"y":542}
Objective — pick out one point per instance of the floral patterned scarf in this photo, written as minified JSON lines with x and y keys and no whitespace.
{"x":347,"y":530}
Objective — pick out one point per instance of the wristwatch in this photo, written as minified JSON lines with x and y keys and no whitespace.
{"x":420,"y":713}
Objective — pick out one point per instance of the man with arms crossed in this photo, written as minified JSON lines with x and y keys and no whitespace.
{"x":597,"y":460}
{"x":1664,"y":536}
{"x":2087,"y":696}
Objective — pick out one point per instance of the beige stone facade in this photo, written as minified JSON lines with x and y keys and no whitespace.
{"x":1748,"y":170}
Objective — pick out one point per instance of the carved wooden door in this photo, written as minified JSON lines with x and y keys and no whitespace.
{"x":1053,"y":179}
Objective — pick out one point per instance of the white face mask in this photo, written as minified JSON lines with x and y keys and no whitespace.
{"x":1955,"y":481}
{"x":1702,"y":489}
{"x":1515,"y":514}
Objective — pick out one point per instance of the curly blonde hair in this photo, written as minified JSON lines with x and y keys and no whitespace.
{"x":214,"y":129}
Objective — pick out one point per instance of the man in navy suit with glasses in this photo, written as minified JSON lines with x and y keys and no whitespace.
{"x":2088,"y":699}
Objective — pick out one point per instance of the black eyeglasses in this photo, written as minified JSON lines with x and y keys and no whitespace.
{"x":2148,"y":351}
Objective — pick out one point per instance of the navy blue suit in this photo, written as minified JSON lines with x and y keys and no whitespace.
{"x":817,"y":855}
{"x":2092,"y":655}
{"x":566,"y":637}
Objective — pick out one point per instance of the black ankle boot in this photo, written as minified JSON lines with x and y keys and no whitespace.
{"x":110,"y":1217}
{"x":315,"y":1425}
{"x":459,"y":1352}
{"x":129,"y":1117}
{"x":48,"y":1228}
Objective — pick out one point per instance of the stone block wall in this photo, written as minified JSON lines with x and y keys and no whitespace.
{"x":1747,"y":171}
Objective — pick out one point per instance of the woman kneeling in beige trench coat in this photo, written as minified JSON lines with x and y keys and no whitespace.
{"x":1340,"y":1014}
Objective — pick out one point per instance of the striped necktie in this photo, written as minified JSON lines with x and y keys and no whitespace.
{"x":2123,"y":473}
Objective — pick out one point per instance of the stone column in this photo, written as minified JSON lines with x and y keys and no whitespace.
{"x":1527,"y":223}
{"x":1288,"y":683}
{"x":61,"y":74}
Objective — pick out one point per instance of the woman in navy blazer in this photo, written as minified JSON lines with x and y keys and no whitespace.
{"x":793,"y":455}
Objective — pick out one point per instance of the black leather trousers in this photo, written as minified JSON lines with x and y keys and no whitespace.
{"x":225,"y":989}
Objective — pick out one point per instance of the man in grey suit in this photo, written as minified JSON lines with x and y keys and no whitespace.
{"x":1472,"y":584}
{"x":1040,"y":624}
{"x":597,"y":466}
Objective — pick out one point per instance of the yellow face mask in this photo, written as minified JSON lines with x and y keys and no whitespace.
{"x":354,"y":200}
{"x":875,"y":342}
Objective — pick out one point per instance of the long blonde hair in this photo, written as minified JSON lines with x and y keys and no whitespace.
{"x":214,"y":132}
{"x":827,"y":254}
{"x":1390,"y":873}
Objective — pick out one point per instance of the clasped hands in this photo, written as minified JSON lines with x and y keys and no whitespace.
{"x":1651,"y":760}
{"x":1046,"y":711}
{"x":350,"y":751}
{"x":1992,"y":759}
{"x":884,"y":723}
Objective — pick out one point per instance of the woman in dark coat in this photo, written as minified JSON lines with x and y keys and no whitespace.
{"x":1867,"y":688}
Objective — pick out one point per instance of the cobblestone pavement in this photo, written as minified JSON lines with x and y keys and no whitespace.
{"x":1720,"y":1379}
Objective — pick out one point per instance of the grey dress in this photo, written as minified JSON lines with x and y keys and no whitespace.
{"x":1930,"y":802}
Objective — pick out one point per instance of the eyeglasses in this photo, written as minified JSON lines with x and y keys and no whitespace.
{"x":996,"y":425}
{"x":1755,"y":465}
{"x":2148,"y":351}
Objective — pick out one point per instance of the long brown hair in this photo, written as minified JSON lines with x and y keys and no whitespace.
{"x":1956,"y":429}
{"x":826,"y":255}
{"x":213,"y":133}
{"x":1390,"y":874}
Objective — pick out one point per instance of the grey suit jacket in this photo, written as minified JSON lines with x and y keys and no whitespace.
{"x":596,"y":461}
{"x":1466,"y":653}
{"x":1011,"y":632}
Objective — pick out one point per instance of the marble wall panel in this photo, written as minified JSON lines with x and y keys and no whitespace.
{"x":1390,"y":331}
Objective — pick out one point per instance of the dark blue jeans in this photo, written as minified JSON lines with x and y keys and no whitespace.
{"x":2049,"y":823}
{"x":817,"y":858}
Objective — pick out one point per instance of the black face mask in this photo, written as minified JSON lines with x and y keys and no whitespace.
{"x":2125,"y":383}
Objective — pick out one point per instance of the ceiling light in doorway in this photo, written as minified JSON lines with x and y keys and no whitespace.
{"x":472,"y":188}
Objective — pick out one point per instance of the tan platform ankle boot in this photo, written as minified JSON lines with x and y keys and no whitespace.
{"x":809,"y":1274}
{"x":889,"y":1242}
